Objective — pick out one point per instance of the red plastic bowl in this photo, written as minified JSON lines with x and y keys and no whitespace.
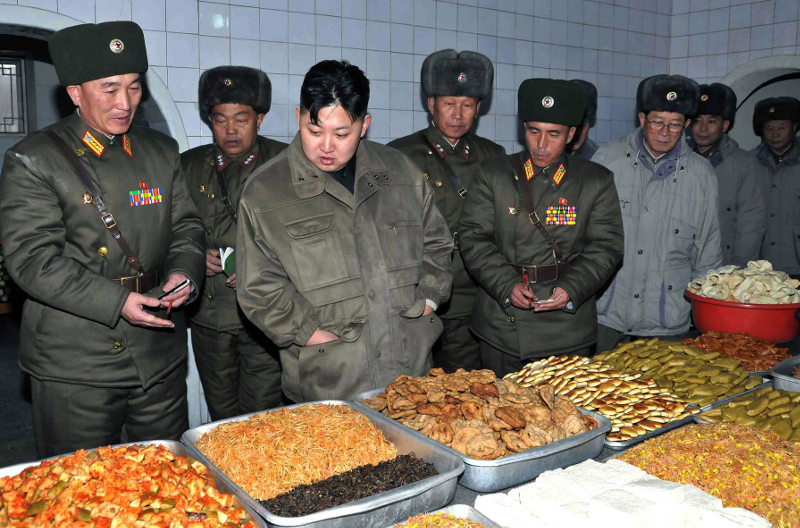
{"x":771,"y":322}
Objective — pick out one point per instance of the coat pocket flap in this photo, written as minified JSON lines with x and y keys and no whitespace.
{"x":313,"y":225}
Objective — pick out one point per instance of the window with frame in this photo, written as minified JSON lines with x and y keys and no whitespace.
{"x":12,"y":96}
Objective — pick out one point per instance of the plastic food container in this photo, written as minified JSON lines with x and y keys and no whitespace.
{"x":176,"y":448}
{"x":382,"y":509}
{"x":771,"y":322}
{"x":493,"y":475}
{"x":463,"y":511}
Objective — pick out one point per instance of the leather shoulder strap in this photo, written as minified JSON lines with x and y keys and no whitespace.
{"x":526,"y":197}
{"x":448,"y":171}
{"x":105,"y":216}
{"x":226,"y":200}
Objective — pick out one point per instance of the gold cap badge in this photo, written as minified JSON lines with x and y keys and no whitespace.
{"x":671,"y":96}
{"x":704,"y":98}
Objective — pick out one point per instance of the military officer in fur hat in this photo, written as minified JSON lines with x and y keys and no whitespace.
{"x":668,"y":197}
{"x":541,"y":232}
{"x":581,"y":144}
{"x":238,"y":365}
{"x":449,"y":153}
{"x":741,"y":181}
{"x":96,"y":221}
{"x":775,"y":120}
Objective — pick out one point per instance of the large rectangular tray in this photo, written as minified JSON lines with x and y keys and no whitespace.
{"x":175,"y":448}
{"x":765,"y":381}
{"x":727,"y":400}
{"x":782,"y":374}
{"x":463,"y":511}
{"x":379,"y":510}
{"x":618,"y":445}
{"x":494,"y":475}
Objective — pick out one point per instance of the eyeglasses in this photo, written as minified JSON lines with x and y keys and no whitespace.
{"x":656,"y":126}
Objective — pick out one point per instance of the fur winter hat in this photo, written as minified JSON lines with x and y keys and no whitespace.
{"x":719,"y":100}
{"x":234,"y":85}
{"x":591,"y":99}
{"x":551,"y":101}
{"x":774,"y":108}
{"x":668,"y":93}
{"x":449,"y":73}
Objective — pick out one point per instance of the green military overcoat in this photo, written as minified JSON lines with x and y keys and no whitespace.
{"x":217,"y":308}
{"x":424,"y":147}
{"x":59,"y":251}
{"x":581,"y":212}
{"x":360,"y":265}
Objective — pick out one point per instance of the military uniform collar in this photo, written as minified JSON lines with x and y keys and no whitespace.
{"x":442,"y":147}
{"x":309,"y":181}
{"x":555,"y":172}
{"x":96,"y":142}
{"x":222,"y":160}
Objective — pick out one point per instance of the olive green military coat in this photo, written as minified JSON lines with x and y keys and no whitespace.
{"x":312,"y":255}
{"x":59,"y":252}
{"x":495,"y":234}
{"x":464,"y":159}
{"x":217,"y":308}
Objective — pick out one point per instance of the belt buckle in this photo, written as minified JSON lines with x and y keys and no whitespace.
{"x":108,"y":220}
{"x":534,"y":218}
{"x":135,"y":278}
{"x":535,"y":268}
{"x":462,"y":192}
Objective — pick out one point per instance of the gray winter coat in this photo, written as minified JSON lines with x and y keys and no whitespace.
{"x":742,"y":185}
{"x":782,"y":243}
{"x":671,"y":235}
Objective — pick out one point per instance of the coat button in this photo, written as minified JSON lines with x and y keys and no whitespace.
{"x":211,"y":196}
{"x":103,"y":251}
{"x":202,"y":188}
{"x":371,"y":294}
{"x":630,"y":329}
{"x":369,"y":184}
{"x":677,"y":231}
{"x":772,"y":243}
{"x":378,"y":354}
{"x":321,"y":350}
{"x":117,"y":346}
{"x":646,"y":209}
{"x":729,"y":208}
{"x":669,"y":287}
{"x":209,"y":297}
{"x":728,"y":247}
{"x":635,"y":295}
{"x":773,"y":215}
{"x":511,"y":319}
{"x":208,"y":232}
{"x":640,"y":252}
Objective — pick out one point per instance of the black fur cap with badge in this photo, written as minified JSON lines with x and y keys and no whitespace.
{"x":234,"y":85}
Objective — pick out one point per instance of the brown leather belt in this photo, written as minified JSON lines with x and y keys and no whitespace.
{"x":140,"y":283}
{"x":542,"y":273}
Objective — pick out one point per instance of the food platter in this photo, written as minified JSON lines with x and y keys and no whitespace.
{"x":175,"y":448}
{"x":726,"y":401}
{"x":383,"y":509}
{"x":493,"y":475}
{"x":618,"y":445}
{"x":782,"y":374}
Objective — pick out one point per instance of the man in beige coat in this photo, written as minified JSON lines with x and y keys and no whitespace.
{"x":342,"y":254}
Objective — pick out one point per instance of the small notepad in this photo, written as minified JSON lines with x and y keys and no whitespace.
{"x":228,"y":257}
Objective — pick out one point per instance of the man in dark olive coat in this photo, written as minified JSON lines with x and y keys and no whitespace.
{"x":238,"y":365}
{"x":96,"y":221}
{"x":541,"y":232}
{"x":448,"y":152}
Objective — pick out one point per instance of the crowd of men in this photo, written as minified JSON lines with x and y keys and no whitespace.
{"x":333,"y":265}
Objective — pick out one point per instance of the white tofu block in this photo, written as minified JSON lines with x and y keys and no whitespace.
{"x":745,"y":518}
{"x":503,"y":510}
{"x":697,"y":498}
{"x":621,"y":509}
{"x":662,"y":492}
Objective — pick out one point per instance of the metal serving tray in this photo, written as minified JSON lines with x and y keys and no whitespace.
{"x":727,"y":400}
{"x":782,"y":374}
{"x":379,"y":510}
{"x":494,"y":475}
{"x":175,"y":448}
{"x":618,"y":445}
{"x":765,"y":381}
{"x":462,"y":511}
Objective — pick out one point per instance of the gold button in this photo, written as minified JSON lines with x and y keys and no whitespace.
{"x":427,"y":175}
{"x":211,"y":196}
{"x":209,"y":297}
{"x":430,"y":152}
{"x":103,"y":251}
{"x":511,"y":319}
{"x":203,"y":187}
{"x":208,"y":232}
{"x":117,"y":346}
{"x":438,"y":184}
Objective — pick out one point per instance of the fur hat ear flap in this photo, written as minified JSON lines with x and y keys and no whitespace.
{"x":234,"y":85}
{"x":449,"y":73}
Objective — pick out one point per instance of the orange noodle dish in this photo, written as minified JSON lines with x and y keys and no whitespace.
{"x":273,"y":452}
{"x":743,"y":466}
{"x":128,"y":486}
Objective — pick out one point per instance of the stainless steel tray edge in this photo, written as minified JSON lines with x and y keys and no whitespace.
{"x":782,"y":374}
{"x":434,"y":491}
{"x":765,"y":381}
{"x":175,"y":448}
{"x":491,"y":475}
{"x":463,"y":511}
{"x":729,"y":399}
{"x":618,"y":445}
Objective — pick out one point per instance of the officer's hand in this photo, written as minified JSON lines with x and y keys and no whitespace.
{"x":231,"y":282}
{"x":521,"y":297}
{"x":213,"y":262}
{"x":133,"y":313}
{"x":321,"y":336}
{"x":428,"y":310}
{"x":560,"y":300}
{"x":177,"y":298}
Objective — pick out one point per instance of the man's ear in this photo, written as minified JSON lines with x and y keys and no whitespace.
{"x":74,"y":92}
{"x":725,"y":126}
{"x":571,"y":133}
{"x":642,"y":119}
{"x":259,"y":119}
{"x":431,"y":104}
{"x":365,"y":126}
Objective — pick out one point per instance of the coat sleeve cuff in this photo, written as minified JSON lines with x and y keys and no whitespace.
{"x":306,"y":330}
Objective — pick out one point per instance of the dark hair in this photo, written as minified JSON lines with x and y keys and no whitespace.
{"x":338,"y":83}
